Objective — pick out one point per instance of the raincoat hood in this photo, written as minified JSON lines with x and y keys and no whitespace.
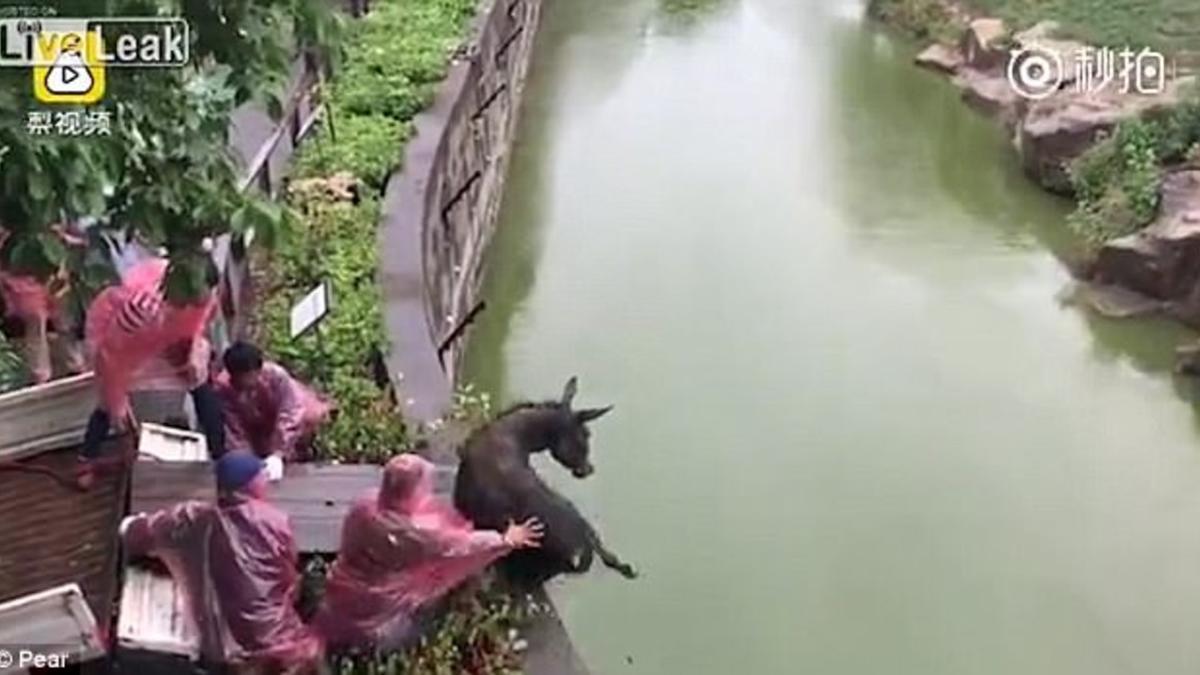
{"x":402,"y":549}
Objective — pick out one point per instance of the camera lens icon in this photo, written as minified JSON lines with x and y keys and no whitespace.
{"x":1035,"y":73}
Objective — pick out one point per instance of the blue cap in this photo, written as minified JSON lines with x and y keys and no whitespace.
{"x":236,"y":469}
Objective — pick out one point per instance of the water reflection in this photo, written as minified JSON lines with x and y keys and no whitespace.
{"x":856,"y":432}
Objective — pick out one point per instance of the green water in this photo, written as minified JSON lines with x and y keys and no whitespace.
{"x":855,"y":431}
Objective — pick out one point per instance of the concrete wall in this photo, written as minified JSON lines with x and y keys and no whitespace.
{"x":441,"y":208}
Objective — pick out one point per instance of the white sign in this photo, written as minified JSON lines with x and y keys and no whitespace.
{"x":310,"y":310}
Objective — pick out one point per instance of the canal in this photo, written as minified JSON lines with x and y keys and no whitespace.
{"x":856,"y":431}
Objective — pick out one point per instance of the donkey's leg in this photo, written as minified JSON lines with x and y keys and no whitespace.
{"x":610,"y":559}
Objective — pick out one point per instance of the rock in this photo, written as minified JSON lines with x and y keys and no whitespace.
{"x":1056,"y":130}
{"x":984,"y":45}
{"x":990,"y":94}
{"x":1187,"y":359}
{"x":1043,"y":30}
{"x":941,"y":58}
{"x":1163,"y":260}
{"x":1114,"y":302}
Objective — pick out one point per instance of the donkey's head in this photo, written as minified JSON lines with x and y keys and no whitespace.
{"x":571,"y":447}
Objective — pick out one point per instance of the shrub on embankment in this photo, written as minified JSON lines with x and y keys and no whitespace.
{"x":1169,"y":25}
{"x":933,"y":20}
{"x":1116,"y":181}
{"x":393,"y":61}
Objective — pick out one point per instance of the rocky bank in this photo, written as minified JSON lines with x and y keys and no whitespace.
{"x":1156,"y":269}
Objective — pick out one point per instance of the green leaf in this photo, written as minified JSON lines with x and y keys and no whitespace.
{"x":274,"y":107}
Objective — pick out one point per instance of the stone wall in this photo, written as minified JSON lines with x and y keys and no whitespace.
{"x":438,"y":215}
{"x":441,"y":208}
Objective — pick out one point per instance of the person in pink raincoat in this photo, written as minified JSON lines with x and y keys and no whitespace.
{"x":236,"y":562}
{"x":33,"y":315}
{"x":138,"y":340}
{"x":402,"y":549}
{"x":265,"y":409}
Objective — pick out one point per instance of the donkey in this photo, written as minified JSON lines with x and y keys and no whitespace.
{"x":496,"y":485}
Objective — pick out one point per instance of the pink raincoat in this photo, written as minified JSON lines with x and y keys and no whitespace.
{"x":236,"y":562}
{"x":271,"y":417}
{"x":130,"y":326}
{"x":402,"y":548}
{"x":34,"y":304}
{"x":29,"y":301}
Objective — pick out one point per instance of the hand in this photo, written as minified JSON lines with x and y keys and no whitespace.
{"x":525,"y":535}
{"x":274,"y":468}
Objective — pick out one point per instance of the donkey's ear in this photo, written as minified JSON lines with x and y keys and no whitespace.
{"x":569,"y":391}
{"x":585,"y":416}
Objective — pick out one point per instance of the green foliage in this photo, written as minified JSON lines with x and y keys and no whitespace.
{"x":12,"y":367}
{"x":685,"y":13}
{"x":165,"y":174}
{"x":337,"y":244}
{"x":478,"y":634}
{"x":471,"y":406}
{"x":392,"y":61}
{"x":924,"y":19}
{"x":367,"y":146}
{"x":1116,"y":181}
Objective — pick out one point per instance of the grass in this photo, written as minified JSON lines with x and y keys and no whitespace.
{"x":1169,"y":25}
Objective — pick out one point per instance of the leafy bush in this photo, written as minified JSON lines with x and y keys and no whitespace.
{"x":477,"y":633}
{"x":391,"y":63}
{"x":392,"y":95}
{"x":394,"y":59}
{"x":368,"y":146}
{"x":1117,"y":180}
{"x":925,"y":19}
{"x":12,"y":367}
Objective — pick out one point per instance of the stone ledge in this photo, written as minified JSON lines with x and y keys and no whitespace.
{"x":438,"y":213}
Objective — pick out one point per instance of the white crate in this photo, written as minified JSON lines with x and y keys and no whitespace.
{"x":154,"y":617}
{"x":45,"y":417}
{"x":168,"y":444}
{"x":51,"y":623}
